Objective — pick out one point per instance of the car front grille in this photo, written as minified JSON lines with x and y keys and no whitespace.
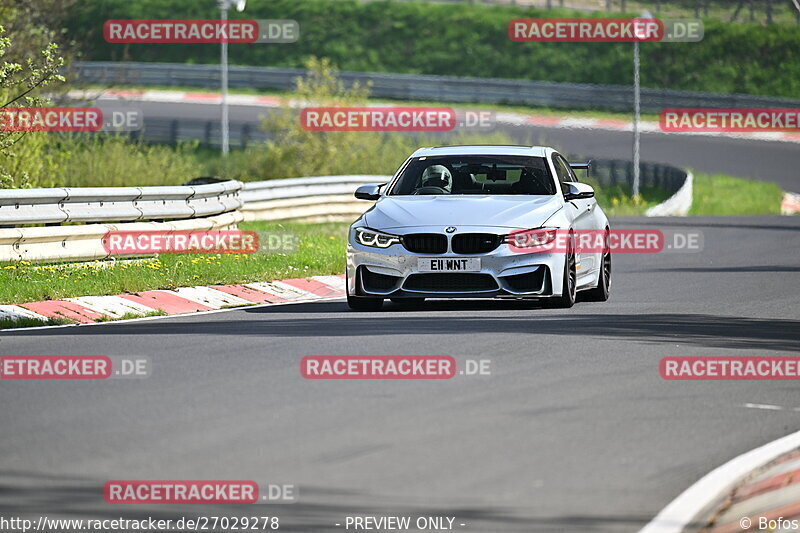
{"x":475,"y":243}
{"x":450,"y":282}
{"x":425,"y":243}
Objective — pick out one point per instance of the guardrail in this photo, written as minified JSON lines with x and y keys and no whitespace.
{"x":421,"y":87}
{"x":223,"y":205}
{"x":327,"y":197}
{"x":673,"y":180}
{"x":197,"y":207}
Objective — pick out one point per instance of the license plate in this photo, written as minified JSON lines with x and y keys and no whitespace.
{"x":449,"y":264}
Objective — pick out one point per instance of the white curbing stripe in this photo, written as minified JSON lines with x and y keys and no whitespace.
{"x":15,"y":312}
{"x":282,"y":290}
{"x":113,"y":306}
{"x":790,"y":205}
{"x":210,"y":297}
{"x":304,"y":294}
{"x":676,"y":516}
{"x":336,"y":282}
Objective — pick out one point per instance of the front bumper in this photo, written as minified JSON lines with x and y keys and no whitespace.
{"x":393,"y":273}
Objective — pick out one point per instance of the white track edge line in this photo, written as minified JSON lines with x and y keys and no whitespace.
{"x":682,"y":510}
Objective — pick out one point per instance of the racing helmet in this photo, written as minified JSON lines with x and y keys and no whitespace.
{"x":437,"y":176}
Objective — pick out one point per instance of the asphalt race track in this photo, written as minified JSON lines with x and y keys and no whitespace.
{"x":573,"y":431}
{"x":746,"y":158}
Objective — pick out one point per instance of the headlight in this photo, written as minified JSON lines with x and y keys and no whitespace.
{"x":532,"y":238}
{"x":376,"y":239}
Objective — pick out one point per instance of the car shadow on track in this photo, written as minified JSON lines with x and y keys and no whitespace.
{"x":333,"y":319}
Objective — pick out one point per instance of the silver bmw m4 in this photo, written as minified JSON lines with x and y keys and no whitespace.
{"x":479,"y":222}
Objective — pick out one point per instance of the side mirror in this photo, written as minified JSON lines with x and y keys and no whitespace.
{"x":369,"y":192}
{"x":576,"y":191}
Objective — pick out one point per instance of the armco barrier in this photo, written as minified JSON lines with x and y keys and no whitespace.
{"x":327,"y":197}
{"x":102,"y":209}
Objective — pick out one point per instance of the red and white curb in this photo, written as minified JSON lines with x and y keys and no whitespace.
{"x":518,"y":119}
{"x":90,"y":309}
{"x":790,"y":204}
{"x":766,"y":497}
{"x":695,"y":506}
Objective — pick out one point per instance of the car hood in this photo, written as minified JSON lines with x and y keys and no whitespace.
{"x":497,"y":211}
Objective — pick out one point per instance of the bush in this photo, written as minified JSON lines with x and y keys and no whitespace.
{"x":60,"y":160}
{"x":294,"y":151}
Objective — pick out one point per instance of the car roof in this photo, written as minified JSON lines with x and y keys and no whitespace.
{"x":483,"y":149}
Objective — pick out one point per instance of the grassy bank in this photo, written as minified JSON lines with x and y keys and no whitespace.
{"x":321,"y":251}
{"x":719,"y":195}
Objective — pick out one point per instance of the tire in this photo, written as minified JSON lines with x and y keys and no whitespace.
{"x":603,"y":289}
{"x":568,"y":287}
{"x":359,"y":303}
{"x":363,"y":303}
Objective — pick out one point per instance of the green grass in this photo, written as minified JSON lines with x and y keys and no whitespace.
{"x":616,"y":201}
{"x":7,"y":323}
{"x":719,"y":195}
{"x":130,"y":316}
{"x":320,"y":252}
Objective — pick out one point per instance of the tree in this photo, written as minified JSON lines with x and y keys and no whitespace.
{"x":20,"y":83}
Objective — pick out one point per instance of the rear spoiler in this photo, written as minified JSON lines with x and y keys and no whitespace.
{"x":580,"y":166}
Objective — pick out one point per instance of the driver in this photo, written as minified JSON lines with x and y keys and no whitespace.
{"x":437,"y":176}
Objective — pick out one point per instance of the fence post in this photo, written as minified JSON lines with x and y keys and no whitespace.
{"x":245,"y":135}
{"x":173,"y":132}
{"x":208,"y":133}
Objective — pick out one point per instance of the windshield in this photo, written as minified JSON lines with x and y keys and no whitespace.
{"x":475,"y":174}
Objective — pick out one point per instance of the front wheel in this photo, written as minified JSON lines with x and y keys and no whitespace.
{"x":603,"y":289}
{"x":568,"y":287}
{"x":362,"y":303}
{"x":359,"y":303}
